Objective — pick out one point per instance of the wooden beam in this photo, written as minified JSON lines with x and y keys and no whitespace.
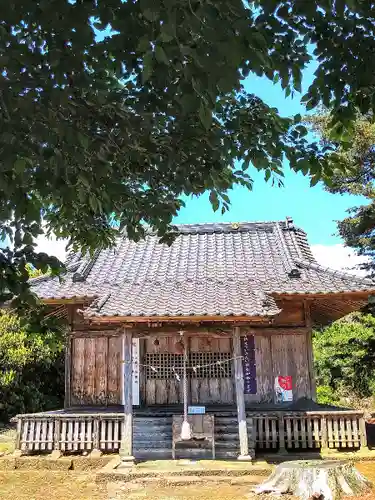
{"x":310,"y":353}
{"x":179,"y":319}
{"x":126,"y":448}
{"x":225,"y":332}
{"x":275,"y":330}
{"x":189,"y":330}
{"x":68,"y":368}
{"x":115,"y":332}
{"x":241,"y":411}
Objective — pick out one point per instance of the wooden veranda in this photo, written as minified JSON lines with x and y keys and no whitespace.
{"x":81,"y":430}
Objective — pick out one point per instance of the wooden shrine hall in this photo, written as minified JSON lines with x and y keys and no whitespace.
{"x":199,"y":348}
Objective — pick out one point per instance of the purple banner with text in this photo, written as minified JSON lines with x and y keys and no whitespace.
{"x":248,"y":364}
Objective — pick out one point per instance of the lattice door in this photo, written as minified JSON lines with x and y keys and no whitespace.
{"x":210,"y":371}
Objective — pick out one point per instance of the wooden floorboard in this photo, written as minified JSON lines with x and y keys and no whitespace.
{"x":168,"y":410}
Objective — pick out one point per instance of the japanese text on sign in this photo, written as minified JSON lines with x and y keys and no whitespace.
{"x":248,"y":364}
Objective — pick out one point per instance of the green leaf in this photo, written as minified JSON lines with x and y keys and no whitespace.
{"x":19,"y":165}
{"x":82,"y":177}
{"x":214,"y":200}
{"x":27,"y":239}
{"x":205,"y":116}
{"x":301,"y":129}
{"x":93,"y":203}
{"x":304,"y":166}
{"x":189,"y":103}
{"x":167,"y":33}
{"x":151,"y":14}
{"x":150,"y":9}
{"x":225,"y":197}
{"x":160,"y":55}
{"x":84,"y":140}
{"x":312,"y":103}
{"x":147,"y":69}
{"x":143,"y":44}
{"x":314,"y":180}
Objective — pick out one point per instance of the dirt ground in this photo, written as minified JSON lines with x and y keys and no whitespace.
{"x":54,"y":485}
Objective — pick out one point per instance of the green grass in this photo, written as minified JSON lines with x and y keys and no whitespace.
{"x":7,"y":447}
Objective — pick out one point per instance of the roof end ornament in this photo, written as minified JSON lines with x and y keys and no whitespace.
{"x":289,"y":223}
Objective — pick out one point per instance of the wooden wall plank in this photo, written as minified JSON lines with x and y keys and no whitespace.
{"x":263,"y":366}
{"x":114,"y":370}
{"x":68,"y":371}
{"x":173,"y":383}
{"x":226,"y":384}
{"x":151,"y":391}
{"x":77,"y":372}
{"x":101,"y":362}
{"x":289,"y":357}
{"x":302,"y":376}
{"x":89,"y":374}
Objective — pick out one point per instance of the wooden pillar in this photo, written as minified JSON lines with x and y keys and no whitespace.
{"x":324,"y":433}
{"x":126,"y":448}
{"x":282,"y":448}
{"x":363,"y":432}
{"x":310,"y":353}
{"x":56,"y":452}
{"x":241,"y":411}
{"x":68,"y":366}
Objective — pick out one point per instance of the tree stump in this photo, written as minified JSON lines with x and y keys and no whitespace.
{"x":328,"y":480}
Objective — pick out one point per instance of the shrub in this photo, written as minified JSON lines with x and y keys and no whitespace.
{"x":31,"y":363}
{"x":345,"y":358}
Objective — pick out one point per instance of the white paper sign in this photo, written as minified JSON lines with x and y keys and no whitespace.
{"x":196,"y":410}
{"x":135,"y":372}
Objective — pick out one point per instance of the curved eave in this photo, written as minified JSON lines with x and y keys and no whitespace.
{"x":320,"y":294}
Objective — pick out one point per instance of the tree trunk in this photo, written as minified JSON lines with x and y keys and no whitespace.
{"x":327,"y":480}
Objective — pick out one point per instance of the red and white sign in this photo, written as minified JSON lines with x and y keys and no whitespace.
{"x":283,"y":389}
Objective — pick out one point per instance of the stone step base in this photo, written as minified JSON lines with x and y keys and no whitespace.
{"x":191,"y":479}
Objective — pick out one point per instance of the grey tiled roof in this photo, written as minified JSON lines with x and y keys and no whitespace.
{"x":210,"y":269}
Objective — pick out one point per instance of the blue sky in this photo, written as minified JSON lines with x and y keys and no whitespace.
{"x":313,"y":209}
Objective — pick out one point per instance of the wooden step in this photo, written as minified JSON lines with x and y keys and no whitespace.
{"x":226,"y":429}
{"x":228,"y":444}
{"x":152,"y":445}
{"x":226,"y":437}
{"x":153,"y":435}
{"x":152,"y":420}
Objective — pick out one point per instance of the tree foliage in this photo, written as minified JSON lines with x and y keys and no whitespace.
{"x":345,"y":358}
{"x":33,"y":272}
{"x":95,"y":128}
{"x":31,"y":363}
{"x":352,"y":161}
